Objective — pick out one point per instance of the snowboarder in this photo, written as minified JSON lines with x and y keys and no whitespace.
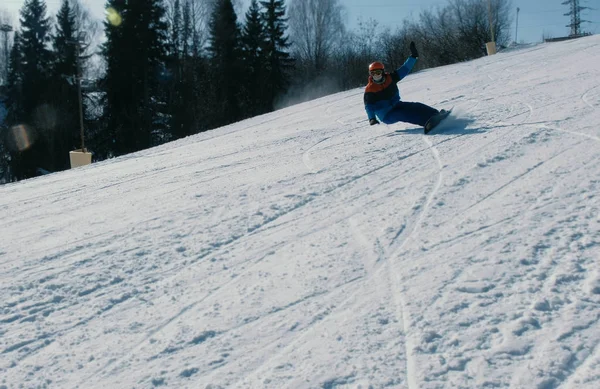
{"x":382,"y":98}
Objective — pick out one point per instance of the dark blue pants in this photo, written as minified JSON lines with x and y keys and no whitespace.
{"x":415,"y":113}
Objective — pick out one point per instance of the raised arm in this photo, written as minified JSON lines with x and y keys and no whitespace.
{"x":405,"y":69}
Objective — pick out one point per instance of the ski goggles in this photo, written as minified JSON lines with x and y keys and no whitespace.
{"x":377,"y":72}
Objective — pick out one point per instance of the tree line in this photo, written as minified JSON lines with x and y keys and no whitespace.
{"x":167,"y":69}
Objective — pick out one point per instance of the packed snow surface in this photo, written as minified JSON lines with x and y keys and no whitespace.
{"x":307,"y":249}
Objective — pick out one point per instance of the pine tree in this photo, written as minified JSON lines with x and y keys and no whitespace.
{"x":65,"y":42}
{"x":35,"y":37}
{"x":16,"y":109}
{"x":65,"y":70}
{"x":224,"y":48}
{"x":195,"y":85}
{"x":28,"y":88}
{"x":11,"y":159}
{"x":253,"y":41}
{"x":135,"y":55}
{"x":280,"y":63}
{"x":174,"y":91}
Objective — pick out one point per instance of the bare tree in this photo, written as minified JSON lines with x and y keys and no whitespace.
{"x":89,"y":34}
{"x":502,"y":17}
{"x":459,"y":31}
{"x":357,"y":49}
{"x":84,"y":21}
{"x":5,"y":44}
{"x":436,"y":36}
{"x":195,"y":16}
{"x":366,"y":37}
{"x":472,"y":26}
{"x":472,"y":22}
{"x":317,"y":26}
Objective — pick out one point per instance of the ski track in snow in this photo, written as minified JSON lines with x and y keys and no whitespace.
{"x":579,"y":373}
{"x":585,"y":98}
{"x":306,"y":156}
{"x":307,"y":249}
{"x":211,"y":293}
{"x":374,"y":266}
{"x":412,"y":367}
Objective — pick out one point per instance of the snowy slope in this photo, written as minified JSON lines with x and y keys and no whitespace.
{"x":307,"y":249}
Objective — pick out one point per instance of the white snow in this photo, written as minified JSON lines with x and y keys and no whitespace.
{"x":307,"y":249}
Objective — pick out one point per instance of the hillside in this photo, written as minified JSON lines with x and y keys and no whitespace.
{"x":307,"y":249}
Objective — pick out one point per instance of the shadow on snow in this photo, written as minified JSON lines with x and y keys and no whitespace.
{"x":452,"y":127}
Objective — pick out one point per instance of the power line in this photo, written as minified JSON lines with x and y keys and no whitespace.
{"x":370,"y":5}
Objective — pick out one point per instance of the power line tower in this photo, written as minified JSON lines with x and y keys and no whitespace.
{"x":575,"y":15}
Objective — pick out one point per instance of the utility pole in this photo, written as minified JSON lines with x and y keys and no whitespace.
{"x":517,"y":28}
{"x":80,"y":157}
{"x":575,"y":15}
{"x":80,"y":38}
{"x":5,"y":29}
{"x":78,"y":42}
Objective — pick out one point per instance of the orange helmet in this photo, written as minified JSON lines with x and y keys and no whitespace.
{"x":375,"y":66}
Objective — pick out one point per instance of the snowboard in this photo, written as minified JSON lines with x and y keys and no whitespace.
{"x":435,"y":120}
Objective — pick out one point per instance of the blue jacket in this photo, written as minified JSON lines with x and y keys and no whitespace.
{"x":381,"y":98}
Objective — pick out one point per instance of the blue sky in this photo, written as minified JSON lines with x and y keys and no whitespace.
{"x":536,"y":18}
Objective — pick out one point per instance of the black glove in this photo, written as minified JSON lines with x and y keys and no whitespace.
{"x":373,"y":121}
{"x":413,"y":50}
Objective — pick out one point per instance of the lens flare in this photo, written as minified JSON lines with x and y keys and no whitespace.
{"x":114,"y":17}
{"x":21,"y":137}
